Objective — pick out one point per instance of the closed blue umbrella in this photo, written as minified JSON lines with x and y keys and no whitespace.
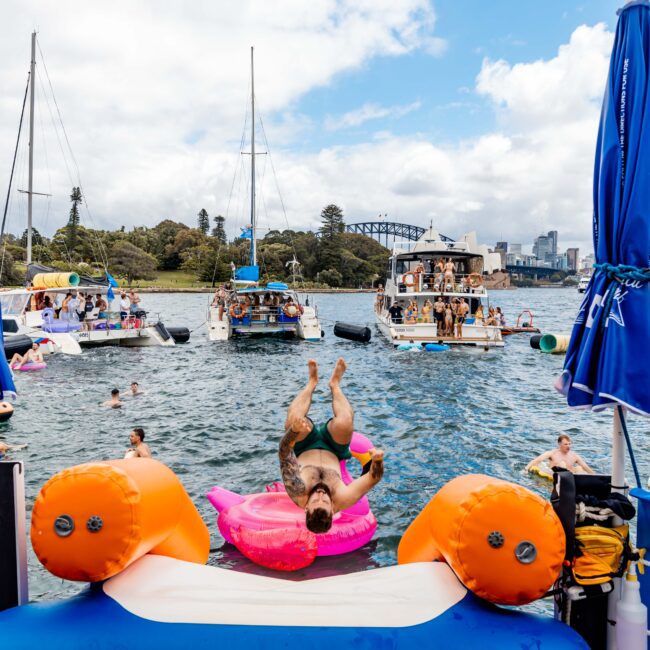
{"x":608,"y":359}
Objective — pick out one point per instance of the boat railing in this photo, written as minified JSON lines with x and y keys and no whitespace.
{"x":264,"y":315}
{"x":439,"y":282}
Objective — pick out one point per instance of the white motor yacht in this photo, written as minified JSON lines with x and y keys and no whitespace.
{"x":583,"y":283}
{"x":421,"y":272}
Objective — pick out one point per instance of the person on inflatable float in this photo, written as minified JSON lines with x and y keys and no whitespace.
{"x":34,"y":355}
{"x":310,"y":455}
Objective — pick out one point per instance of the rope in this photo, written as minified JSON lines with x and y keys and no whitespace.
{"x":620,"y":273}
{"x":584,"y":511}
{"x":630,"y":451}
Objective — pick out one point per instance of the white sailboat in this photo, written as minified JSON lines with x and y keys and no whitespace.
{"x":245,"y":308}
{"x":20,"y":312}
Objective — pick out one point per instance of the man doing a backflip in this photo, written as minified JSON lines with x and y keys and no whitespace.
{"x":310,"y":455}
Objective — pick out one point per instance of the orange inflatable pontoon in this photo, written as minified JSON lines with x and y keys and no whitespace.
{"x":91,"y":521}
{"x":504,"y":543}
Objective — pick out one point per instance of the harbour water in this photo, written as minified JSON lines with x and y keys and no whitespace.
{"x":214,"y":413}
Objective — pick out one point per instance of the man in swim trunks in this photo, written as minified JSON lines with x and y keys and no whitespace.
{"x":439,"y":314}
{"x":310,"y":455}
{"x":562,"y":457}
{"x":34,"y":355}
{"x":461,"y":315}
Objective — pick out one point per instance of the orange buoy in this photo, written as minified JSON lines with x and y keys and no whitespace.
{"x":91,"y":521}
{"x":504,"y":543}
{"x":6,"y":411}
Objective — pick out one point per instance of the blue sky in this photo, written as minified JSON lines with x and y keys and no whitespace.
{"x":449,"y":108}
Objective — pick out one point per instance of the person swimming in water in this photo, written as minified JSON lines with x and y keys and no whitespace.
{"x":563,"y":457}
{"x":114,"y":402}
{"x":310,"y":455}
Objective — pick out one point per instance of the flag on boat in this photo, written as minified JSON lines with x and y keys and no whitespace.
{"x":608,"y":360}
{"x":7,"y":387}
{"x":248,"y":273}
{"x":246,"y":233}
{"x":112,"y":283}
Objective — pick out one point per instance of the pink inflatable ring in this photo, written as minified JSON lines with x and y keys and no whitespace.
{"x":30,"y":365}
{"x":270,"y":529}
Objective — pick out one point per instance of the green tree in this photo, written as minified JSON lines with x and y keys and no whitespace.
{"x":73,"y":221}
{"x":331,"y":277}
{"x":219,"y":231}
{"x":37,"y":238}
{"x":164,"y":235}
{"x":9,"y":276}
{"x":204,"y":221}
{"x":332,"y":219}
{"x":131,"y":262}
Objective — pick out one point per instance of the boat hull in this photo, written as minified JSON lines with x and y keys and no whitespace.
{"x":473,"y":336}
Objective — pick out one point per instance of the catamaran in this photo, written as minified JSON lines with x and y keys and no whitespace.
{"x":422,"y":272}
{"x":20,"y":313}
{"x":243,"y":307}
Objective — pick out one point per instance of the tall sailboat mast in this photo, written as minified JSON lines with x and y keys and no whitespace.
{"x":31,"y":150}
{"x":253,"y":224}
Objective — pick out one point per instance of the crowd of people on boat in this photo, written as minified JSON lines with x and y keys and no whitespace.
{"x":440,"y":275}
{"x":85,"y":308}
{"x":448,"y":314}
{"x":254,"y":305}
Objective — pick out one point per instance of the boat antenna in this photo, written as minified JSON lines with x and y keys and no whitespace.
{"x":253,"y":233}
{"x":31,"y":150}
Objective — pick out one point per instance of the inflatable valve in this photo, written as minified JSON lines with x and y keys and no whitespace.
{"x":504,"y":543}
{"x":91,"y":521}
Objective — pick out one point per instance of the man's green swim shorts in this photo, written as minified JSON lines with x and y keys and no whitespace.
{"x":320,"y":438}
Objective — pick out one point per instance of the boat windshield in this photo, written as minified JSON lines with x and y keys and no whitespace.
{"x":13,"y":304}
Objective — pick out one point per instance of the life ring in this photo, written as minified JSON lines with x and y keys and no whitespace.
{"x":236,"y":310}
{"x":270,"y":529}
{"x":406,"y":275}
{"x":475,"y":280}
{"x":30,"y":365}
{"x":290,"y":310}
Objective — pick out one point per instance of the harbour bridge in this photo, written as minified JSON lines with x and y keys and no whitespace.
{"x":398,"y":231}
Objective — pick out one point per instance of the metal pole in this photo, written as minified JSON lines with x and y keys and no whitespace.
{"x":31,"y":150}
{"x":253,"y":233}
{"x":618,"y":485}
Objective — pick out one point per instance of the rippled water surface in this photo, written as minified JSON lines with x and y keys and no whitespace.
{"x":214,"y":413}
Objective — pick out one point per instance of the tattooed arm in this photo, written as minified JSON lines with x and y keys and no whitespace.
{"x":289,"y":467}
{"x":348,"y":495}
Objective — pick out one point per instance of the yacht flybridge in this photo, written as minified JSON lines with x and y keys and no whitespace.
{"x":435,"y":294}
{"x":243,"y":307}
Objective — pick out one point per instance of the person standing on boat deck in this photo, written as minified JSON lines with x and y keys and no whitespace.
{"x":395,"y":311}
{"x":461,"y":315}
{"x":379,"y":298}
{"x":124,"y":306}
{"x":134,"y":300}
{"x":500,"y":317}
{"x":439,"y":315}
{"x":311,"y":454}
{"x":478,"y":314}
{"x":426,"y":311}
{"x":563,"y":457}
{"x":449,"y":320}
{"x":450,"y":268}
{"x":64,"y":314}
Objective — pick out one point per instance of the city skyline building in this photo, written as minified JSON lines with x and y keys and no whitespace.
{"x":573,"y":258}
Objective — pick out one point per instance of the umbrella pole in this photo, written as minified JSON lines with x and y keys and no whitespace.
{"x":618,"y":485}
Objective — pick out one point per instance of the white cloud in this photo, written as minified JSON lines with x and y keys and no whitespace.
{"x":369,"y":112}
{"x":153,"y":96}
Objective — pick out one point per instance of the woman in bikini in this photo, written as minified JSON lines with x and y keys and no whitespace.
{"x":449,"y":320}
{"x":426,"y":311}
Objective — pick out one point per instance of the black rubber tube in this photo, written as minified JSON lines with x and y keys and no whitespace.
{"x":534,"y":341}
{"x":179,"y":334}
{"x":351,"y":332}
